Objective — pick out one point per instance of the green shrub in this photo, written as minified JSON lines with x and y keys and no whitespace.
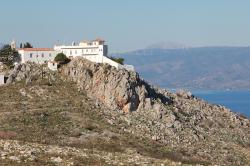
{"x":61,"y":58}
{"x":118,"y":60}
{"x":9,"y":56}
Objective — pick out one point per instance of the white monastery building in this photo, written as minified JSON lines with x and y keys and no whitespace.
{"x":37,"y":55}
{"x":95,"y":51}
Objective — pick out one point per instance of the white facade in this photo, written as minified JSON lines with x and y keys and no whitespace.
{"x":52,"y":65}
{"x":2,"y":79}
{"x":37,"y":55}
{"x":94,"y":51}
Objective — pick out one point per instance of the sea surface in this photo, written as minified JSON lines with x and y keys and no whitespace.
{"x":237,"y":101}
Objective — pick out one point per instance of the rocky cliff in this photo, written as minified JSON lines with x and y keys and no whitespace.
{"x":118,"y":89}
{"x":180,"y":122}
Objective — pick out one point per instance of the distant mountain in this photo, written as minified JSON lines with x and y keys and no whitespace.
{"x":167,"y":45}
{"x":193,"y":68}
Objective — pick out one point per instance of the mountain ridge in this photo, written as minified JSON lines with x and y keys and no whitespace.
{"x":167,"y":45}
{"x":212,"y":68}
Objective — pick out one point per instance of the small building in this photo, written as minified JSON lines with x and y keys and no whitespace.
{"x":3,"y":79}
{"x":52,"y":65}
{"x":37,"y":55}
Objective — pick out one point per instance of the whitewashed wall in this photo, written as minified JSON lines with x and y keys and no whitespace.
{"x":37,"y":56}
{"x":83,"y":50}
{"x":52,"y":65}
{"x":95,"y":53}
{"x":111,"y":62}
{"x":1,"y":79}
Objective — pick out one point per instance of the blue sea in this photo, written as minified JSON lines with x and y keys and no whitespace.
{"x":237,"y":101}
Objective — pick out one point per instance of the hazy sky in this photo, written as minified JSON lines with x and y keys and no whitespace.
{"x":126,"y":24}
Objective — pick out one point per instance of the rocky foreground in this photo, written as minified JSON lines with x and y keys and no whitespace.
{"x":108,"y":111}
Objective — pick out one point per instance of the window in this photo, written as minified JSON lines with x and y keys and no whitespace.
{"x":70,"y":52}
{"x":30,"y":55}
{"x":75,"y":51}
{"x":42,"y":55}
{"x":37,"y":55}
{"x":82,"y":51}
{"x":49,"y":54}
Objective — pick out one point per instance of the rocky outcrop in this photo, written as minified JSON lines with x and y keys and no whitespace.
{"x":118,"y":89}
{"x":29,"y":72}
{"x":180,"y":121}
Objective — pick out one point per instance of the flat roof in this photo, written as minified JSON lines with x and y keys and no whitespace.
{"x":36,"y":49}
{"x":99,"y":40}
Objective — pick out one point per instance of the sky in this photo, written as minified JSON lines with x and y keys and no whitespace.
{"x":126,"y":24}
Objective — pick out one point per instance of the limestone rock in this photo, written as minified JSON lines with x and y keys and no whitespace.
{"x":56,"y":159}
{"x":117,"y":89}
{"x":29,"y":72}
{"x":184,"y":93}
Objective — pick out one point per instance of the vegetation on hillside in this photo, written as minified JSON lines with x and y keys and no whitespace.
{"x":51,"y":113}
{"x":118,"y":60}
{"x":26,"y":45}
{"x":62,"y":58}
{"x":60,"y":115}
{"x":8,"y":56}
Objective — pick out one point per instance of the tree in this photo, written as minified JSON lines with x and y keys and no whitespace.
{"x":27,"y":45}
{"x":118,"y":60}
{"x":21,"y":45}
{"x":61,"y":58}
{"x":9,"y":56}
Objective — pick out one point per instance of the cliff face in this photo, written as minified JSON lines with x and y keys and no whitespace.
{"x":118,"y":89}
{"x":45,"y":120}
{"x":178,"y":121}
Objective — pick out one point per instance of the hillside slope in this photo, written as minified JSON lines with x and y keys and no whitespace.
{"x":45,"y":120}
{"x":194,"y":68}
{"x":100,"y":111}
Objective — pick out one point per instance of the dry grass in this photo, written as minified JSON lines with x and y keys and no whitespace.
{"x":65,"y":113}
